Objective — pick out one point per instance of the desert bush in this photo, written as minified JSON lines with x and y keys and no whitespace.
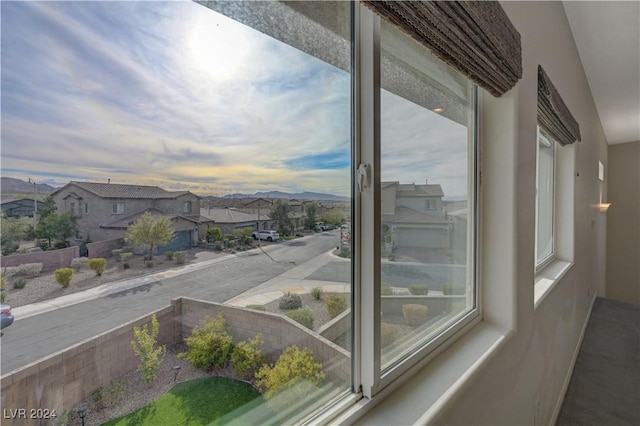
{"x":419,"y":289}
{"x":79,"y":262}
{"x":20,"y":283}
{"x":257,"y":307}
{"x":290,"y":301}
{"x":168,"y":255}
{"x":386,"y":290}
{"x":98,"y":265}
{"x":127,"y":249}
{"x":295,"y":369}
{"x":345,"y":252}
{"x":317,"y":292}
{"x":148,"y":263}
{"x":10,"y":271}
{"x":63,"y":276}
{"x":336,"y":304}
{"x":214,"y":234}
{"x":145,"y":348}
{"x":302,"y":316}
{"x":117,"y":253}
{"x":31,"y":269}
{"x":415,"y":315}
{"x":125,"y":258}
{"x":209,"y":346}
{"x":389,"y":333}
{"x":109,"y":395}
{"x":247,"y":356}
{"x":180,"y":257}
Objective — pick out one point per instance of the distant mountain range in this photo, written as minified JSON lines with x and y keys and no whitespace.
{"x":313,"y":196}
{"x":17,"y":186}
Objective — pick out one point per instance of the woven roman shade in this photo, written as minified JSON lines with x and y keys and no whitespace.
{"x":474,"y":37}
{"x":553,"y":115}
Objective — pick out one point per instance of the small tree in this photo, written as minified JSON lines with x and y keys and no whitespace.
{"x":244,"y":235}
{"x":334,"y":217}
{"x":311,"y":210}
{"x":48,"y":207}
{"x":150,"y":231}
{"x":13,"y":231}
{"x":280,"y":213}
{"x":145,"y":348}
{"x":214,"y":234}
{"x":56,"y":227}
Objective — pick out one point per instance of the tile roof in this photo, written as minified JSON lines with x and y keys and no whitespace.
{"x":230,"y":215}
{"x":116,"y":190}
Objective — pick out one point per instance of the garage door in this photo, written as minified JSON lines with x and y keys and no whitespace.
{"x":181,"y":241}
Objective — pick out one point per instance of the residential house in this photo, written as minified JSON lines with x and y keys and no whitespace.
{"x":104,"y":211}
{"x":413,"y":221}
{"x":21,"y":207}
{"x":228,"y":219}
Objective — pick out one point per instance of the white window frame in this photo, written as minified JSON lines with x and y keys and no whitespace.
{"x":186,"y":207}
{"x":117,"y":208}
{"x":86,"y":208}
{"x":546,"y":260}
{"x":368,"y":375}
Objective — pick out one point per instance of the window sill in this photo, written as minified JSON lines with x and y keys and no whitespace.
{"x":547,"y":278}
{"x":419,"y":396}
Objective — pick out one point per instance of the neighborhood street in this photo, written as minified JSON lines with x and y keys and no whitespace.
{"x":34,"y":337}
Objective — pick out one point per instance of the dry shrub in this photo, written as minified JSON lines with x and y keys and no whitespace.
{"x":415,"y":315}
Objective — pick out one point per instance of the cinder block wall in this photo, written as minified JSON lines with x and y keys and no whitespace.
{"x":51,"y":260}
{"x":279,"y":332}
{"x":104,"y":248}
{"x":67,"y":377}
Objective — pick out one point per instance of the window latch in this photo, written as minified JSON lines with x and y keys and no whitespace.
{"x":363,"y":176}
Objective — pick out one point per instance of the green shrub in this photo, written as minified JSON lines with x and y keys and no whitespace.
{"x":116,"y":254}
{"x":345,"y":252}
{"x":214,"y":234}
{"x":247,"y":356}
{"x":290,"y":301}
{"x":168,"y":255}
{"x":391,"y":257}
{"x":209,"y":346}
{"x":110,"y":394}
{"x":180,"y":257}
{"x":63,"y":276}
{"x":336,"y":304}
{"x":415,"y":315}
{"x":20,"y":283}
{"x":98,"y":265}
{"x":317,"y":292}
{"x":148,"y":263}
{"x":386,"y":290}
{"x":3,"y":285}
{"x":449,"y":289}
{"x":125,"y":258}
{"x":217,"y":246}
{"x":127,"y":249}
{"x":419,"y":289}
{"x":389,"y":333}
{"x":302,"y":316}
{"x":257,"y":307}
{"x":145,"y":348}
{"x":295,"y":369}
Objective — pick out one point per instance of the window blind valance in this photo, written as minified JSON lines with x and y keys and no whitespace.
{"x":474,"y":37}
{"x":553,"y":115}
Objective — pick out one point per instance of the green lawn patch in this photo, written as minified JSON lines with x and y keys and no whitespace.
{"x":196,"y":402}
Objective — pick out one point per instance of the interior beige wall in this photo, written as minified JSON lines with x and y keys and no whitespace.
{"x":622,"y":179}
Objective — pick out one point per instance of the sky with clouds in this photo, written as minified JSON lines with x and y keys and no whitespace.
{"x":176,"y":95}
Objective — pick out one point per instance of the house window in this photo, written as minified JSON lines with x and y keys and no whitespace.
{"x":429,"y":204}
{"x":72,"y":208}
{"x":86,"y":208}
{"x":186,"y":207}
{"x":117,"y":208}
{"x":545,"y":199}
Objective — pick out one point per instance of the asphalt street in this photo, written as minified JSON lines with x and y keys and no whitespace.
{"x":35,"y":337}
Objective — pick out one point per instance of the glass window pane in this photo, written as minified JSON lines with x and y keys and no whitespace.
{"x":427,"y":177}
{"x":246,"y":105}
{"x":545,"y":199}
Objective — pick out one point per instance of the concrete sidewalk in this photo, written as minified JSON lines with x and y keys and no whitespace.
{"x":290,"y":281}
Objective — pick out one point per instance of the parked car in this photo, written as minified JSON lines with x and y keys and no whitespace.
{"x":266,"y":235}
{"x":7,"y":316}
